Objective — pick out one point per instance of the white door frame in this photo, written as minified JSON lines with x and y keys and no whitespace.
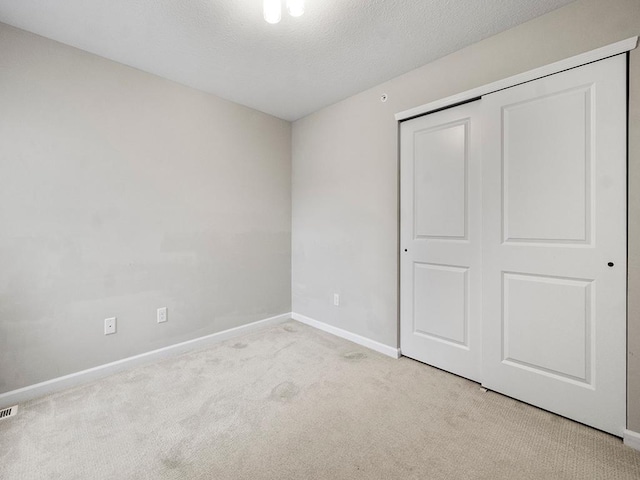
{"x":571,"y":62}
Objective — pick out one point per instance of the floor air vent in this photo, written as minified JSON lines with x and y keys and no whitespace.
{"x":8,"y":412}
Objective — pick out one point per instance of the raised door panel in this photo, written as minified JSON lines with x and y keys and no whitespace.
{"x":547,"y":145}
{"x":440,"y":303}
{"x":440,"y":178}
{"x":547,"y":325}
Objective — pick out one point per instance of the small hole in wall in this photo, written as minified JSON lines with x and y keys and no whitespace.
{"x":383,"y":97}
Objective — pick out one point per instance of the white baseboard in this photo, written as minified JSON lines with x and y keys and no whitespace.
{"x":74,"y":379}
{"x":631,"y":439}
{"x":352,"y":337}
{"x":37,"y":390}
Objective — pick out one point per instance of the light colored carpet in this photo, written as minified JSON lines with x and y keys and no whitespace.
{"x":291,"y":402}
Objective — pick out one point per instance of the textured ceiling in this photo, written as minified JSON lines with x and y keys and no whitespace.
{"x":337,"y":48}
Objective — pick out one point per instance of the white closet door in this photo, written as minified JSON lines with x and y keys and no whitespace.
{"x":440,"y":240}
{"x":554,"y":243}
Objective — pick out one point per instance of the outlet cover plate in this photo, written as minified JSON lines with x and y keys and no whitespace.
{"x":110,"y":326}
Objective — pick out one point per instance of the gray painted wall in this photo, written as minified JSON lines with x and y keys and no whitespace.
{"x":121,"y":192}
{"x":345,"y":172}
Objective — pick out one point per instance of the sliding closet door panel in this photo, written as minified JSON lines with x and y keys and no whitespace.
{"x":440,"y":240}
{"x":554,"y":243}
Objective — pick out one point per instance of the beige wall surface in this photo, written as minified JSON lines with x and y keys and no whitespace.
{"x":121,"y":192}
{"x":345,"y":172}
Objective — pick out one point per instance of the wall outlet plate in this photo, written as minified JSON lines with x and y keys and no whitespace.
{"x":336,"y":299}
{"x":110,"y":326}
{"x":162,"y":315}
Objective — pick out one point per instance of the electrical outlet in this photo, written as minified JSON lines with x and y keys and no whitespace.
{"x":110,"y":326}
{"x":336,"y":299}
{"x":162,"y":315}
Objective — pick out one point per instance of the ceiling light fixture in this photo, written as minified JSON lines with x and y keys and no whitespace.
{"x":272,"y":9}
{"x":295,"y":7}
